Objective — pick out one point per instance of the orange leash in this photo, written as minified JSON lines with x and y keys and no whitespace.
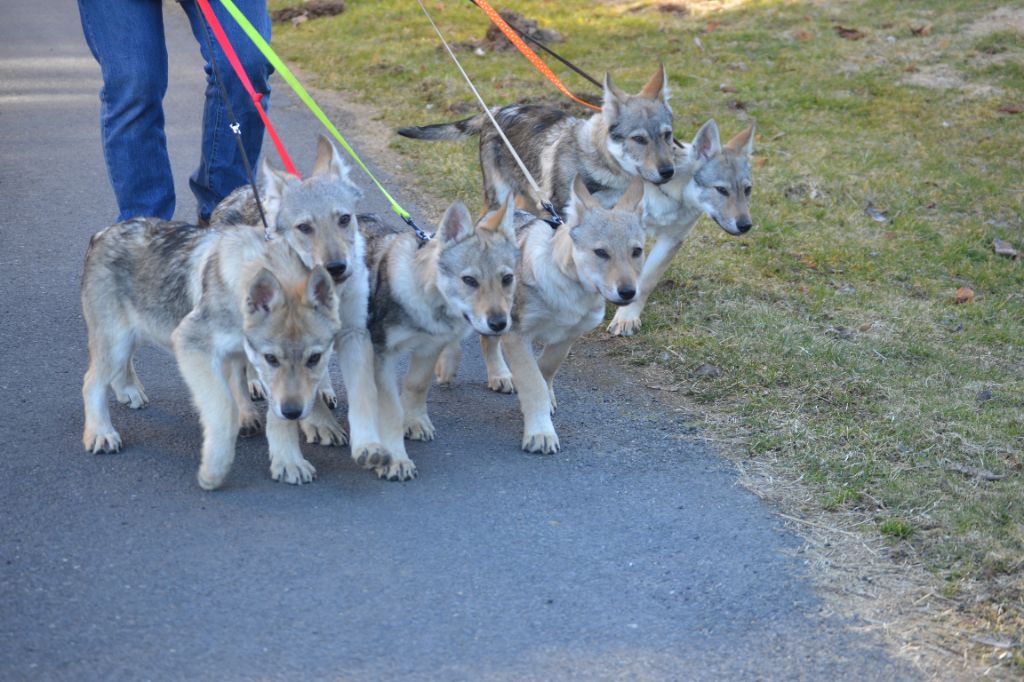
{"x":537,"y":62}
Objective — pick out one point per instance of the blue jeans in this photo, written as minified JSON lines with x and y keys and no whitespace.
{"x":127,"y":39}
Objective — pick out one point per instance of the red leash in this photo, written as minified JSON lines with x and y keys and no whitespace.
{"x":229,"y":52}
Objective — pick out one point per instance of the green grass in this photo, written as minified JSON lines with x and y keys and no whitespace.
{"x":844,"y":355}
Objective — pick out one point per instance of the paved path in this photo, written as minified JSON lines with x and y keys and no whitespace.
{"x":632,"y":555}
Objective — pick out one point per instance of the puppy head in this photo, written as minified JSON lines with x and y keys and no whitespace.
{"x":640,"y":128}
{"x":722,"y":183}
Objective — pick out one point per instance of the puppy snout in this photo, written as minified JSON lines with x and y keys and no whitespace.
{"x":666,"y":172}
{"x":337,"y":269}
{"x":497,"y":323}
{"x":291,"y":410}
{"x":626,"y":292}
{"x":743,"y":225}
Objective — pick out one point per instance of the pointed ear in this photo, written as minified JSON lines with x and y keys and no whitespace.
{"x":632,"y":198}
{"x":582,"y":196}
{"x":329,"y":160}
{"x":265,"y":293}
{"x":273,"y":188}
{"x":742,"y":143}
{"x":613,"y":97}
{"x":320,"y":289}
{"x":456,"y":223}
{"x":706,"y":142}
{"x":657,"y":87}
{"x":501,"y":218}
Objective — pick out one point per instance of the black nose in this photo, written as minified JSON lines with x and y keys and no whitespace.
{"x":291,"y":411}
{"x":336,"y":268}
{"x":744,"y":227}
{"x":627,"y":293}
{"x":666,"y":172}
{"x":497,"y":322}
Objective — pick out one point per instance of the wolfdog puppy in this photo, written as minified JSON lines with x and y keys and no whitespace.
{"x":565,"y":277}
{"x":213,"y":297}
{"x":630,"y":137}
{"x":710,"y":179}
{"x":426,"y":296}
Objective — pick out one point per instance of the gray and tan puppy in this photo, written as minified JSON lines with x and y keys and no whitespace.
{"x":213,"y":297}
{"x":426,"y":296}
{"x":711,"y":179}
{"x":631,"y":137}
{"x":566,"y":276}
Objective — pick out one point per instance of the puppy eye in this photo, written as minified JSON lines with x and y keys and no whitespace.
{"x":639,"y":139}
{"x":304,"y":228}
{"x":272,"y":360}
{"x":746,"y":191}
{"x":638,"y":251}
{"x":313,"y":360}
{"x":507,"y":279}
{"x":601,"y":253}
{"x":344,"y":220}
{"x":471,"y":281}
{"x":723,"y":191}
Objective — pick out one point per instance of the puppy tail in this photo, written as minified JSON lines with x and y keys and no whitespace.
{"x":456,"y":130}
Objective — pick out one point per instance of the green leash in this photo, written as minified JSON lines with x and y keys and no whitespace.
{"x":292,"y":81}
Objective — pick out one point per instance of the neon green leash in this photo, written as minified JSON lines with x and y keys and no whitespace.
{"x":292,"y":81}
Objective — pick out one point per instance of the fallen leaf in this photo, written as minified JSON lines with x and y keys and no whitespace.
{"x":725,"y":87}
{"x":760,"y":161}
{"x":799,"y":35}
{"x":848,"y":33}
{"x":712,"y":25}
{"x":737,"y":105}
{"x":866,"y":326}
{"x":1003,"y":248}
{"x":700,"y":45}
{"x":707,"y":370}
{"x":846,"y":290}
{"x":983,"y":396}
{"x":876,"y":215}
{"x":911,"y":68}
{"x":668,"y":389}
{"x":1012,"y":109}
{"x":922,"y":30}
{"x":964,"y":295}
{"x":299,"y":20}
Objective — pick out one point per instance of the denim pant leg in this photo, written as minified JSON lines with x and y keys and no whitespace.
{"x":127,"y":39}
{"x":220,"y":165}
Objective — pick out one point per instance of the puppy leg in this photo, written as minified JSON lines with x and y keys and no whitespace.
{"x":286,"y":461}
{"x":99,"y":434}
{"x":551,"y":358}
{"x":627,"y":318}
{"x":209,"y":381}
{"x":389,"y":412}
{"x":499,"y":376}
{"x":416,"y":421}
{"x":448,"y":363}
{"x":249,"y":420}
{"x":253,"y":382}
{"x":327,"y":393}
{"x":321,"y":426}
{"x":534,"y":398}
{"x":127,"y":386}
{"x":355,"y":355}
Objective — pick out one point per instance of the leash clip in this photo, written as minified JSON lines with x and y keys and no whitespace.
{"x":420,"y":234}
{"x":236,"y":128}
{"x":555,"y":219}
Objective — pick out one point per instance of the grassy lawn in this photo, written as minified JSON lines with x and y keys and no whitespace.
{"x":885,"y":167}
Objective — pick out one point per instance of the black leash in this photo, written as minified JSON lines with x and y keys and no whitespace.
{"x":236,"y":128}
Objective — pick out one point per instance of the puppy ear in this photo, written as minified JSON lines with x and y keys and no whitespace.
{"x":613,"y":97}
{"x":456,"y":223}
{"x":581,"y":196}
{"x":632,"y":198}
{"x":657,"y":87}
{"x":265,"y":293}
{"x":500,"y":219}
{"x":272,"y":189}
{"x":706,"y":142}
{"x":320,"y":289}
{"x":742,"y":143}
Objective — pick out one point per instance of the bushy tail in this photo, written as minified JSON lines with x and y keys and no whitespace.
{"x":456,"y":130}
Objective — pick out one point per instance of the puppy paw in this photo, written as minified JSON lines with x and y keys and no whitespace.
{"x":419,"y":428}
{"x":256,"y":391}
{"x":326,"y":432}
{"x":251,"y":424}
{"x":444,"y":371}
{"x":107,"y":441}
{"x":501,"y":384}
{"x":543,"y":443}
{"x":371,"y":456}
{"x":295,"y":472}
{"x":397,"y":470}
{"x":210,"y":479}
{"x":626,"y":326}
{"x":133,"y":396}
{"x":329,"y":397}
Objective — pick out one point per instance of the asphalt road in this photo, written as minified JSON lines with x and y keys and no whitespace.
{"x":631,"y":555}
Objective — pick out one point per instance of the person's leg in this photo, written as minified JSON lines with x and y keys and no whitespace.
{"x":220,"y":165}
{"x":127,"y":39}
